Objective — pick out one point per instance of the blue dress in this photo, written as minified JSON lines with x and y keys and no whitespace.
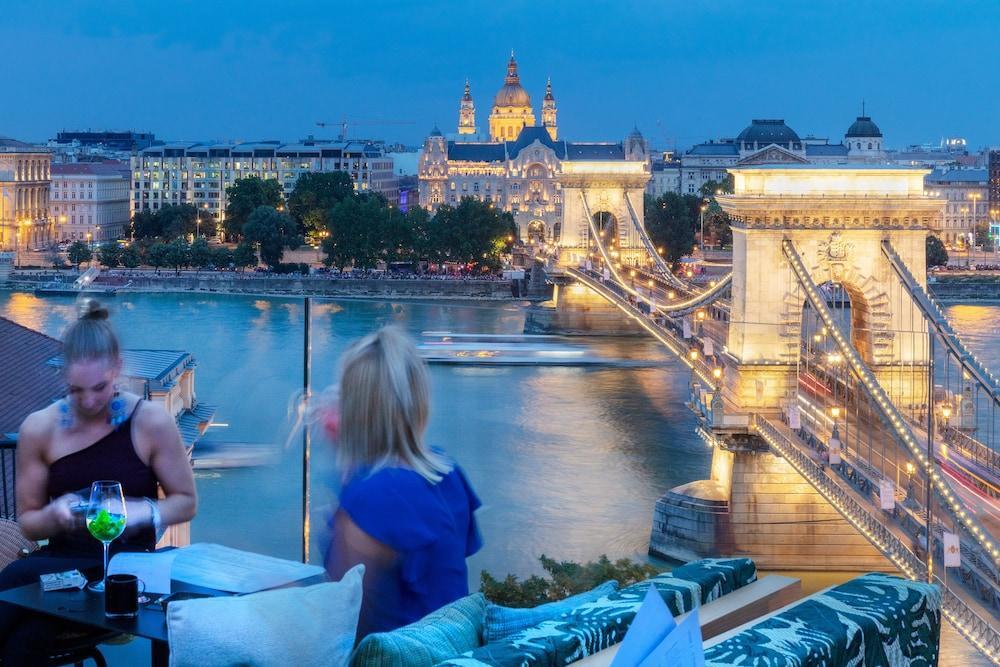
{"x":432,"y":529}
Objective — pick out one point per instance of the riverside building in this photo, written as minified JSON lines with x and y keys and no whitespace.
{"x":967,"y":194}
{"x":771,"y":141}
{"x":89,"y":201}
{"x":24,"y":195}
{"x":199,"y":173}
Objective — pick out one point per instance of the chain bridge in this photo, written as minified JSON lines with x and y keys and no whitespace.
{"x":851,"y":426}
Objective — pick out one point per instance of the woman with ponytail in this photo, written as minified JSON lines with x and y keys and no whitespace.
{"x":97,"y":432}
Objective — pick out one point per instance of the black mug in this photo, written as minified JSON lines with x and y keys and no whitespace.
{"x":121,"y":596}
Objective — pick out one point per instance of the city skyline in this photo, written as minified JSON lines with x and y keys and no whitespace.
{"x":681,"y":74}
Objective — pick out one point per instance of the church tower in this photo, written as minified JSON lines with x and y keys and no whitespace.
{"x":467,"y":113}
{"x":511,"y":107}
{"x":549,"y":111}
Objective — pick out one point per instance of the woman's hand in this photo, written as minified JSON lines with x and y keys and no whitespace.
{"x":60,"y":511}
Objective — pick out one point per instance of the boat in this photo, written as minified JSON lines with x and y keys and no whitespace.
{"x":442,"y":347}
{"x":59,"y":288}
{"x":81,"y":286}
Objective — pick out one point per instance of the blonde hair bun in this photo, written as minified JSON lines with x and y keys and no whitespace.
{"x":91,"y":309}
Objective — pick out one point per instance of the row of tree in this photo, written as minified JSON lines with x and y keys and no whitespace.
{"x":362,"y":229}
{"x":176,"y":254}
{"x":672,"y":220}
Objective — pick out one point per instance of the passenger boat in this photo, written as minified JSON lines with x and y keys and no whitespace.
{"x":442,"y":347}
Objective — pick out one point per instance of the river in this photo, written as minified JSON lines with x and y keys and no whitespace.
{"x":567,"y":461}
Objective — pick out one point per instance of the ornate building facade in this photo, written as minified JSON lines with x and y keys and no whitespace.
{"x":771,"y":141}
{"x":547,"y":183}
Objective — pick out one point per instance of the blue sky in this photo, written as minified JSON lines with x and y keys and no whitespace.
{"x":682,"y":71}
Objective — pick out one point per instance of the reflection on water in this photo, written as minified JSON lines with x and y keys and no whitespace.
{"x":568,"y":461}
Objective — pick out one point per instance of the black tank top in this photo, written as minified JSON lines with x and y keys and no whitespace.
{"x":113,"y":457}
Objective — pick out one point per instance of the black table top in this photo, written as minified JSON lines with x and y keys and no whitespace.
{"x":87,"y":607}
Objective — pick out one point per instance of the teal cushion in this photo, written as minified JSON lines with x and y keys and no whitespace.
{"x":447,"y":632}
{"x":502,"y":622}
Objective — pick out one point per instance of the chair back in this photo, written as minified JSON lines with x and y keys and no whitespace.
{"x":8,"y":507}
{"x":13,"y":544}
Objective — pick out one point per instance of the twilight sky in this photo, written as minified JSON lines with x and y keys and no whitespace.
{"x":683,"y":70}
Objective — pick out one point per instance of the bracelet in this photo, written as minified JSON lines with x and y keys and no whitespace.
{"x":154,"y":516}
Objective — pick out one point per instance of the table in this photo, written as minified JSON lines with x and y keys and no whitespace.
{"x":87,"y":608}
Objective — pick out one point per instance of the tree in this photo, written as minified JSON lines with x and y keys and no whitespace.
{"x":110,"y":255}
{"x":936,"y":254}
{"x":272,"y":231}
{"x":314,"y":195}
{"x":178,"y":254}
{"x":564,"y":579}
{"x":201,"y":254}
{"x":474,"y":232}
{"x":983,"y":237}
{"x":146,"y":225}
{"x":130,"y":257}
{"x":55,"y":258}
{"x":355,"y":233}
{"x":177,"y":220}
{"x":711,"y":188}
{"x":156,"y":255}
{"x":245,"y":256}
{"x":244,"y":197}
{"x":79,"y":252}
{"x":222,"y":257}
{"x":670,"y":225}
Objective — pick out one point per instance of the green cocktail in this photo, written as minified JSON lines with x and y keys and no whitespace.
{"x":106,"y":519}
{"x":106,"y":526}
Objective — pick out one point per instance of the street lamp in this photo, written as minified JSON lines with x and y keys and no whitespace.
{"x":703,"y":208}
{"x":975,"y":197}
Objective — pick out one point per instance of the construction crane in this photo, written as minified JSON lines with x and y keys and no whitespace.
{"x":344,"y":122}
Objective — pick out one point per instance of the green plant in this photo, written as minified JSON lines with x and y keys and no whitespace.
{"x":565,"y":578}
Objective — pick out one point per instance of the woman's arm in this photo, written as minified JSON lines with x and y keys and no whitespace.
{"x":351,"y":545}
{"x":157,"y":432}
{"x":38,"y":518}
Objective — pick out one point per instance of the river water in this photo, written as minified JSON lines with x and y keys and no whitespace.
{"x":567,"y":461}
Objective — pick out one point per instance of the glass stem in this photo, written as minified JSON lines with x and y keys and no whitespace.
{"x":105,"y":579}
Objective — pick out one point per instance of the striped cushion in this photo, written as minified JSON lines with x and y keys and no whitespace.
{"x":502,"y":622}
{"x":451,"y":630}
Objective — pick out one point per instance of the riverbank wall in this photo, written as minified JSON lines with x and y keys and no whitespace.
{"x":230,"y":283}
{"x":966,"y":287}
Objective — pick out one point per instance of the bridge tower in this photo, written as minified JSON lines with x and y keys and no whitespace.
{"x":600,"y":186}
{"x":837,"y":218}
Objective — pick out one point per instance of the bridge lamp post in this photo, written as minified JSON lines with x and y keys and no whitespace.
{"x":704,"y":207}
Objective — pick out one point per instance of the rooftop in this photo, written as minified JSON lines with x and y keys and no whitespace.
{"x":29,"y":382}
{"x":107,"y":168}
{"x":971,"y":176}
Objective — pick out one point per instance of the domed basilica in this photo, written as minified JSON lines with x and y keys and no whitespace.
{"x":526,"y":169}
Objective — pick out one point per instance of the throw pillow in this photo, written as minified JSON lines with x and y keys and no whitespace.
{"x":289,"y":626}
{"x":445,"y":633}
{"x":502,"y":622}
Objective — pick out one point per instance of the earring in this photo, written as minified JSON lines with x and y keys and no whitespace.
{"x":116,"y":409}
{"x":65,"y":415}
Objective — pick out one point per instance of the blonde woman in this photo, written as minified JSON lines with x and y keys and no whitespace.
{"x":406,"y":510}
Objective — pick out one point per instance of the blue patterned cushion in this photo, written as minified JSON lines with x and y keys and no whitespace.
{"x":594,"y":626}
{"x":876,"y":619}
{"x":502,"y":622}
{"x":453,"y":629}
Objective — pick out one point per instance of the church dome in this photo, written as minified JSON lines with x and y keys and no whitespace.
{"x":863,"y":127}
{"x":513,"y":93}
{"x":766,"y":132}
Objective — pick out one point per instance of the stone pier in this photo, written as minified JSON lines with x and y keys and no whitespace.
{"x":575,"y":309}
{"x":757,"y":505}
